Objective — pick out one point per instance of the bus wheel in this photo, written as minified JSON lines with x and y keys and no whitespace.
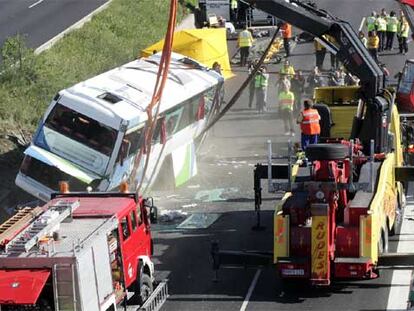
{"x":145,"y":289}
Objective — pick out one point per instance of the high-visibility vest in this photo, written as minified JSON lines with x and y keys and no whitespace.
{"x":233,"y":4}
{"x":371,"y":23}
{"x":381,"y":24}
{"x":290,"y":71}
{"x":373,"y":42}
{"x":261,"y":80}
{"x":287,"y":30}
{"x":392,"y":24}
{"x":310,"y":122}
{"x":286,"y":100}
{"x":245,"y":38}
{"x":404,"y":30}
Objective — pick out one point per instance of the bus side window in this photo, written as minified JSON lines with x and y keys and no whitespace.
{"x":186,"y":116}
{"x":172,"y":120}
{"x":125,"y":228}
{"x":133,"y":220}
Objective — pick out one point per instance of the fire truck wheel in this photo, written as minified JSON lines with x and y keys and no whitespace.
{"x":327,"y":152}
{"x":146,"y":288}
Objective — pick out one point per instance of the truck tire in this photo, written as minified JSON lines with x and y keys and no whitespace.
{"x":145,"y":288}
{"x":383,"y":242}
{"x":396,"y":227}
{"x":326,"y":152}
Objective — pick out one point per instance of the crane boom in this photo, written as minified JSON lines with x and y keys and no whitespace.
{"x":348,"y":47}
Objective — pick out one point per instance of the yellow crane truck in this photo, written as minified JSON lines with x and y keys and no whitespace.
{"x":343,"y":196}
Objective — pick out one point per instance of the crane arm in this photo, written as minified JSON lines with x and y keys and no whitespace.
{"x":348,"y":47}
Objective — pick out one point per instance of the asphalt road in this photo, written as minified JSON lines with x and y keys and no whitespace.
{"x":224,"y":188}
{"x":40,"y":20}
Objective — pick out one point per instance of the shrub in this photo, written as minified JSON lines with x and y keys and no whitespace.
{"x":113,"y":37}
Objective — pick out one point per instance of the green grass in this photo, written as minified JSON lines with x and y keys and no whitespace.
{"x":113,"y":37}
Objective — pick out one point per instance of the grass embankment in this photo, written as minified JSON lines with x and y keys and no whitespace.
{"x":113,"y":37}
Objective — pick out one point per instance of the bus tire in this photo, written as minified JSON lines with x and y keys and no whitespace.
{"x":145,"y":288}
{"x":327,"y":152}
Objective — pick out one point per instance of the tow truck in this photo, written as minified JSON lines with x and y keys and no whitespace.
{"x":344,"y":196}
{"x":80,"y":251}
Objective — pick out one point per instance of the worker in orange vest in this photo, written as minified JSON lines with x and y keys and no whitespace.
{"x":309,"y":124}
{"x":287,"y":35}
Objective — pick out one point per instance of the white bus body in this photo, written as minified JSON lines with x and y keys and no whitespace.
{"x":92,"y":132}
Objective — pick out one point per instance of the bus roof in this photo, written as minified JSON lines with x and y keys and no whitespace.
{"x":124,"y":93}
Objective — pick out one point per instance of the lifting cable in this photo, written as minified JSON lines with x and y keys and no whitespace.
{"x":162,"y":76}
{"x":238,"y":93}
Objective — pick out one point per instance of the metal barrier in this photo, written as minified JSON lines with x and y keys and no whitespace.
{"x":157,"y":298}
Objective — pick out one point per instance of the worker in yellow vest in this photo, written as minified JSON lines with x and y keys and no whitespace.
{"x":392,"y":27}
{"x":373,"y":44}
{"x":244,"y":41}
{"x":234,"y":10}
{"x":381,"y":31}
{"x":286,"y":106}
{"x":261,"y":82}
{"x":287,"y":70}
{"x":404,"y":29}
{"x":371,"y":21}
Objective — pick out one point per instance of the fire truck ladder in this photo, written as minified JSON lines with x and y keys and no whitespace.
{"x":17,"y":222}
{"x":64,"y":287}
{"x":40,"y":227}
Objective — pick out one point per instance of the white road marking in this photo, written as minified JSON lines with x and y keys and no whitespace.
{"x":250,"y":291}
{"x":362,"y":24}
{"x":36,"y":3}
{"x":400,"y":282}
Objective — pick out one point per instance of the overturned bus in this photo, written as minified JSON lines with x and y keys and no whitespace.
{"x":91,"y":135}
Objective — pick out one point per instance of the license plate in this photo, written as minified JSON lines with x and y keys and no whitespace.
{"x":296,"y":272}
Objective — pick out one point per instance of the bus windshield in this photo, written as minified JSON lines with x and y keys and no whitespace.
{"x":81,"y":128}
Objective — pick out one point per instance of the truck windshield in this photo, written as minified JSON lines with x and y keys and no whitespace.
{"x":81,"y":128}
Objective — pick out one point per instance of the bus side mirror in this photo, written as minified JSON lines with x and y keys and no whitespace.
{"x":153,"y":214}
{"x":153,"y":210}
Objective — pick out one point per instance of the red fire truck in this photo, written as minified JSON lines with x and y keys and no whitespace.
{"x":80,"y":251}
